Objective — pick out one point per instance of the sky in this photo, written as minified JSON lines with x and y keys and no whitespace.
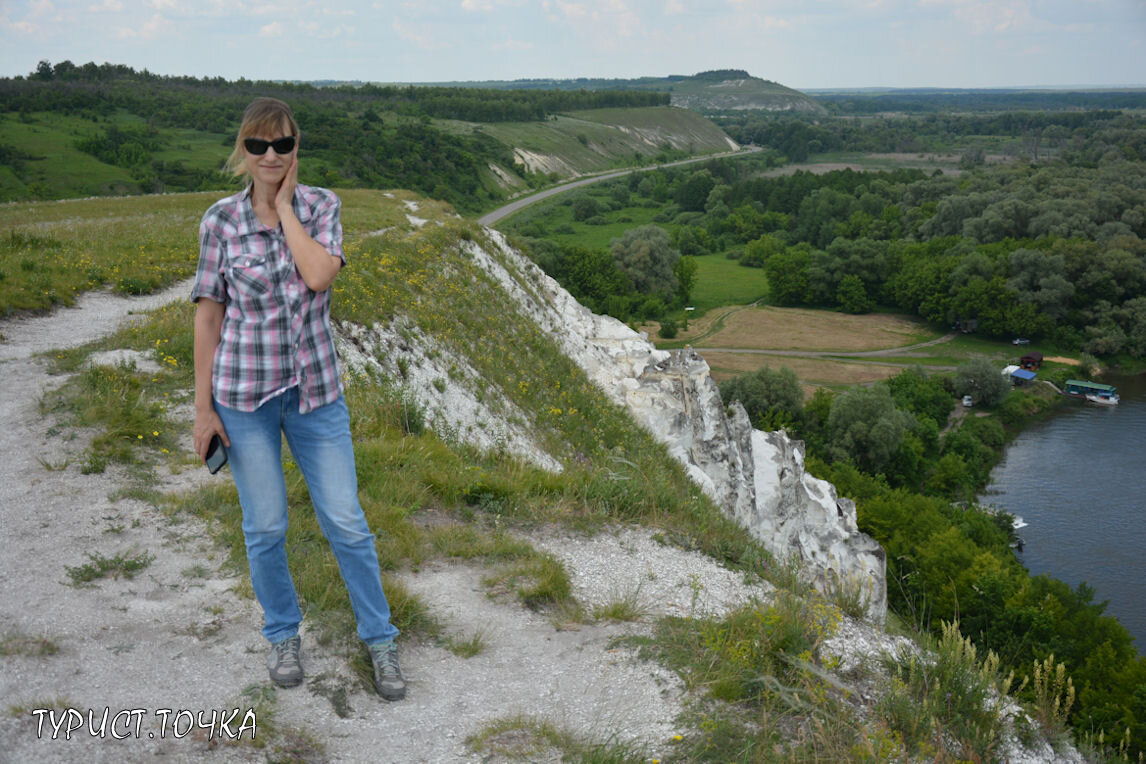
{"x":809,"y":44}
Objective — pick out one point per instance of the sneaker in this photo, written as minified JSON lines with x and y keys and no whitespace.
{"x":283,"y":662}
{"x":388,"y":679}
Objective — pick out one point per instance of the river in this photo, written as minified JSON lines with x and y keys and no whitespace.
{"x":1078,"y":481}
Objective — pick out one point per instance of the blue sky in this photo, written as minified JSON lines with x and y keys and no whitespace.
{"x":808,"y":44}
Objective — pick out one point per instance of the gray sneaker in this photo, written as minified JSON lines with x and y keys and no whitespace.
{"x":283,"y":662}
{"x":388,"y":679}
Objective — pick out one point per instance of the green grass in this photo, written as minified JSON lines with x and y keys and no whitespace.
{"x":60,"y":170}
{"x":527,"y":738}
{"x":759,"y":675}
{"x":942,"y":704}
{"x":125,"y":564}
{"x":51,"y":253}
{"x":18,"y":643}
{"x":720,"y":282}
{"x":604,"y":139}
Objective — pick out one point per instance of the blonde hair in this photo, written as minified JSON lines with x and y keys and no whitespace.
{"x":262,"y":115}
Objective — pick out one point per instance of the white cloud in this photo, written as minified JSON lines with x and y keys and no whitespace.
{"x":513,"y":45}
{"x":994,"y":16}
{"x":416,"y":37}
{"x":111,"y":6}
{"x":154,"y":27}
{"x":161,"y":5}
{"x":325,"y":31}
{"x":273,"y":29}
{"x":24,"y":27}
{"x":673,"y":7}
{"x":38,"y":8}
{"x":477,"y":6}
{"x":572,"y":10}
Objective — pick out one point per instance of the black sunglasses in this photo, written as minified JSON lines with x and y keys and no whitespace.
{"x":258,"y":146}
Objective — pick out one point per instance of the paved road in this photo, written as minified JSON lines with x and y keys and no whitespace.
{"x":492,"y":217}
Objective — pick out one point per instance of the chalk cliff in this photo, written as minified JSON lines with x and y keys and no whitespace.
{"x":758,"y":478}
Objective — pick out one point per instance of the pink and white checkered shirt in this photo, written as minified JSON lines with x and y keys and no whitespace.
{"x":276,"y":331}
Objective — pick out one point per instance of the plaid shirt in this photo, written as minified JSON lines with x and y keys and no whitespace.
{"x":276,"y":331}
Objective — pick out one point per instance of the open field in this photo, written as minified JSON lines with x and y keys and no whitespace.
{"x":811,"y":371}
{"x":826,"y":348}
{"x":770,"y":328}
{"x":720,"y":282}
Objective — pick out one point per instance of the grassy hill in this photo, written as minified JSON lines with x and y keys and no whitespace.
{"x":737,"y":90}
{"x":575,"y":143}
{"x":123,"y":132}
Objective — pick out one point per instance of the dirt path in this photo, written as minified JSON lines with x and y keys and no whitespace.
{"x":849,"y":355}
{"x":177,"y":637}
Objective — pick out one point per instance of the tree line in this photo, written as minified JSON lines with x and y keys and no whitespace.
{"x":469,"y":104}
{"x":1031,"y":134}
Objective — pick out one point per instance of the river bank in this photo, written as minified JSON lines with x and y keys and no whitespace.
{"x":1073,"y":476}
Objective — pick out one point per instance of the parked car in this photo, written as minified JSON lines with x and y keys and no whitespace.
{"x":968,"y":401}
{"x":1020,"y":341}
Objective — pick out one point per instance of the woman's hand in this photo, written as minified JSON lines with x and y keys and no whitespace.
{"x":207,"y":425}
{"x":285,"y":197}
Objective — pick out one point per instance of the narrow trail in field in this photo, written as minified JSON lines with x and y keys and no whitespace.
{"x":858,"y":356}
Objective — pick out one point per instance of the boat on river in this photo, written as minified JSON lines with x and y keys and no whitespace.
{"x":1103,"y":395}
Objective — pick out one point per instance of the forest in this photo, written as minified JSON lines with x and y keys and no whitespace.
{"x":1047,"y":244}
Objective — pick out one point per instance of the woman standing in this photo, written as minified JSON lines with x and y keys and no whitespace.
{"x":265,"y":366}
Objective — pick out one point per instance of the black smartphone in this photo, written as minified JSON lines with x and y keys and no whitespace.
{"x":216,"y":454}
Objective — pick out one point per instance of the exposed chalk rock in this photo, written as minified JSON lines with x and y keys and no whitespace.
{"x":758,"y":478}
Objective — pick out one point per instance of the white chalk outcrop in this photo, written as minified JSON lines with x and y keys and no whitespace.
{"x":758,"y":478}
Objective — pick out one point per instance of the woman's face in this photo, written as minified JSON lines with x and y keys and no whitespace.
{"x":270,"y":167}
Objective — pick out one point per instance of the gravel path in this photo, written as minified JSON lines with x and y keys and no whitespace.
{"x":178,"y":637}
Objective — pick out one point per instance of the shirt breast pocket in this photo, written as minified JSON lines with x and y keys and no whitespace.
{"x":251,"y":275}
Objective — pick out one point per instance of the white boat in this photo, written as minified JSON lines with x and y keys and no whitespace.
{"x":1103,"y":399}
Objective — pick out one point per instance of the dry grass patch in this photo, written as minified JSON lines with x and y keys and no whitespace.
{"x":768,"y":328}
{"x":809,"y":370}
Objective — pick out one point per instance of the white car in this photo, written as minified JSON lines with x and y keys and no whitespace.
{"x":968,"y":401}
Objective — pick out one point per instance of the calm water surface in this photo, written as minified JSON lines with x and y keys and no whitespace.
{"x":1078,"y":481}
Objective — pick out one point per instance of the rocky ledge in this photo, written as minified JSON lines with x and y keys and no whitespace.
{"x":757,"y":477}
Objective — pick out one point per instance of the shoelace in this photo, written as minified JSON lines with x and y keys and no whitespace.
{"x":386,"y":658}
{"x":286,"y":654}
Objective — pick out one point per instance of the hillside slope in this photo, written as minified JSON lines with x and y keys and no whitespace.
{"x":509,"y":372}
{"x":576,"y":143}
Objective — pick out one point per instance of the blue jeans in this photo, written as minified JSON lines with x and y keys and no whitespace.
{"x":321,"y":445}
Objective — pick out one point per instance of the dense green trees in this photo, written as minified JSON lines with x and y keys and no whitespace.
{"x":647,"y":257}
{"x":980,"y":378}
{"x":772,"y":398}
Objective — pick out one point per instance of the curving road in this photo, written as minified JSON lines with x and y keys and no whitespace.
{"x":490,"y":218}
